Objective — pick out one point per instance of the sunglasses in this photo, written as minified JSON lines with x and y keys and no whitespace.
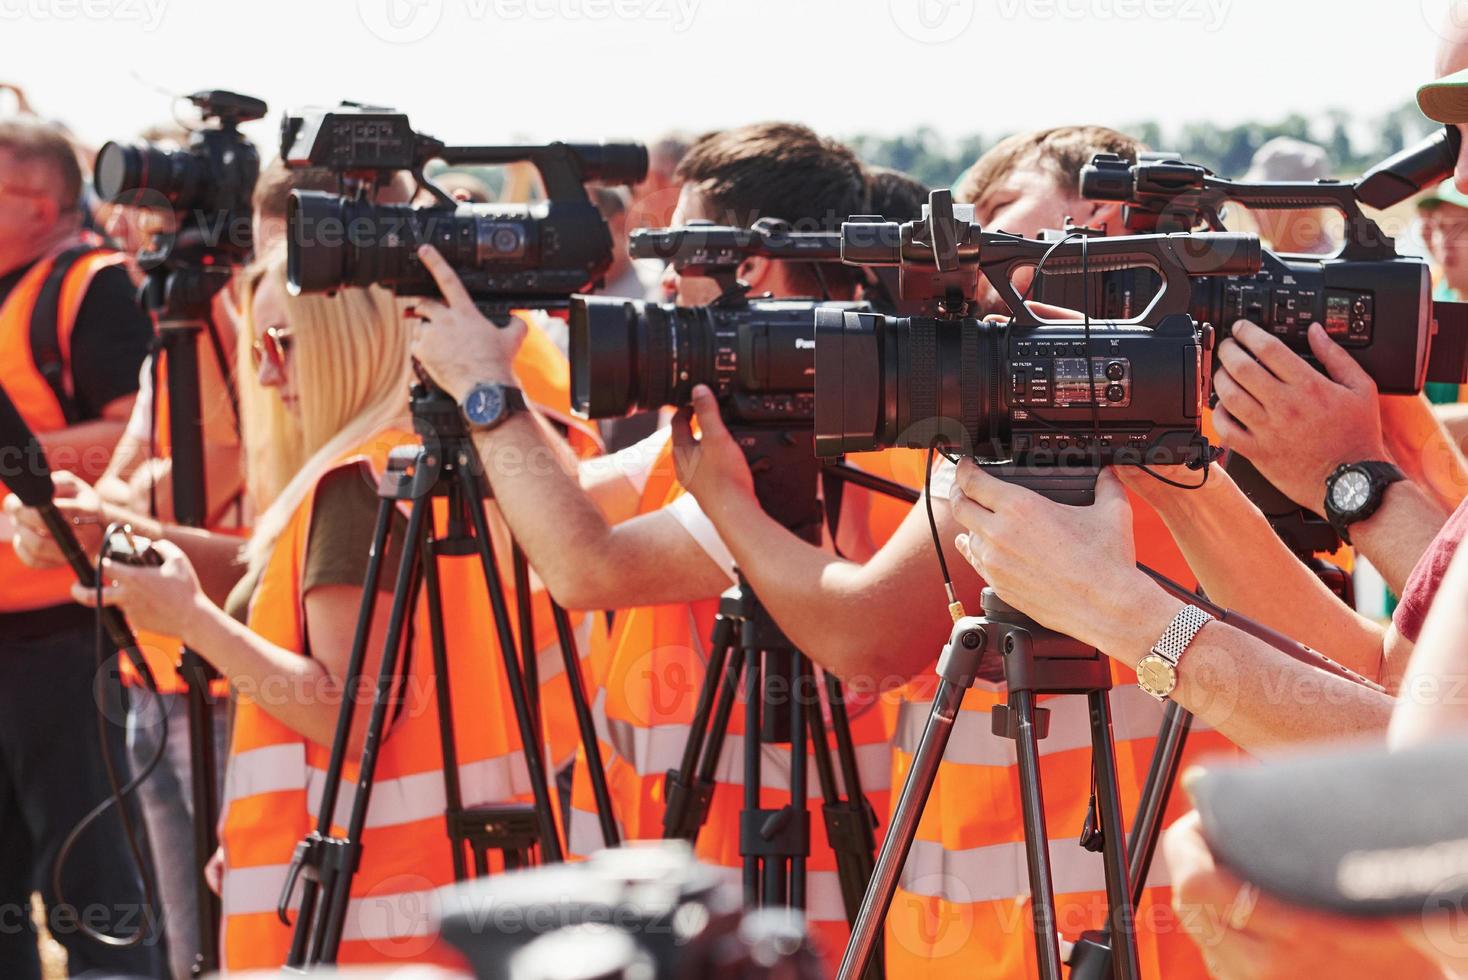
{"x":273,"y":347}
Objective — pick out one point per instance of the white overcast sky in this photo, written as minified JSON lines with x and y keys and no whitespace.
{"x":482,"y":71}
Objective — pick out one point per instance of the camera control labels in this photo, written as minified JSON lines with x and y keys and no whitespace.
{"x":1048,"y":374}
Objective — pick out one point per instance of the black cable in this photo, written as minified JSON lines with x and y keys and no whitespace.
{"x":119,"y":793}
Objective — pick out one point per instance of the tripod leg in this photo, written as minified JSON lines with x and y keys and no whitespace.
{"x":799,"y":797}
{"x":1121,"y":915}
{"x":867,"y":931}
{"x":202,"y":777}
{"x":346,"y":852}
{"x":1037,"y":842}
{"x":754,"y":671}
{"x":596,"y":770}
{"x":686,"y":804}
{"x":1167,"y":759}
{"x":473,"y":492}
{"x":525,"y":621}
{"x":310,"y":848}
{"x":453,"y":795}
{"x":849,"y":822}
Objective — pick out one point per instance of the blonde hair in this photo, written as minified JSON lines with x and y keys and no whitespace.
{"x":349,"y":359}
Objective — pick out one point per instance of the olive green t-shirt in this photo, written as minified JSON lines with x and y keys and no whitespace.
{"x":342,"y":521}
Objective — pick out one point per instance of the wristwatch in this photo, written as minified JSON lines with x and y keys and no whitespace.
{"x":1354,"y":491}
{"x":488,"y":405}
{"x":1157,"y":671}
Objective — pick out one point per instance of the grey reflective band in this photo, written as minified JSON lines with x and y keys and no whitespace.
{"x":1180,"y":632}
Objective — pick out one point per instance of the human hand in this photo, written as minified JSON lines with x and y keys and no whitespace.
{"x":456,"y":344}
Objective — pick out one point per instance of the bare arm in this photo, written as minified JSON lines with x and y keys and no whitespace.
{"x":1073,"y":569}
{"x":868,"y":623}
{"x":1425,"y":450}
{"x":303,"y":693}
{"x":86,"y":448}
{"x":1242,"y":565}
{"x":585,"y":561}
{"x":214,"y":556}
{"x":1434,"y":693}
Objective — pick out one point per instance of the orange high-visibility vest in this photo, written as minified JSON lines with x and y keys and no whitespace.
{"x":647,"y":672}
{"x":23,"y":588}
{"x":274,"y":778}
{"x":962,"y":907}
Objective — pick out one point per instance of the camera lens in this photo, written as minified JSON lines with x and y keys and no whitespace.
{"x":315,"y":257}
{"x":905,"y":381}
{"x":123,"y":168}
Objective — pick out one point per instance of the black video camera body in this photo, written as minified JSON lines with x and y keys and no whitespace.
{"x":1050,"y":400}
{"x":207,"y":186}
{"x":757,"y":354}
{"x":508,"y":255}
{"x":1371,"y":300}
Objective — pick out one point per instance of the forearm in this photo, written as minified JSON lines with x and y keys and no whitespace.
{"x":1258,"y":697}
{"x":1395,"y":537}
{"x":585,"y":562}
{"x":1244,"y":566}
{"x":869,"y":623}
{"x":1433,"y":701}
{"x":85,"y":449}
{"x":296,"y":690}
{"x":1422,"y":446}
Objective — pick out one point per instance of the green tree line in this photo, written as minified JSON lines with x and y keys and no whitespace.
{"x":1226,"y":150}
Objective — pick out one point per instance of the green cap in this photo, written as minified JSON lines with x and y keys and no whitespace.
{"x":1444,"y":193}
{"x":1445,"y":100}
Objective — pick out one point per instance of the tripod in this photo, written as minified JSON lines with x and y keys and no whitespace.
{"x":1036,"y":661}
{"x":782,"y":706}
{"x":444,"y":466}
{"x":180,"y":300}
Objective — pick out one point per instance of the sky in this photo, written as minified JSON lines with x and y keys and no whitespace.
{"x":482,"y":71}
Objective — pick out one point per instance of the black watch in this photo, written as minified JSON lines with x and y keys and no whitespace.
{"x":1354,"y":491}
{"x":488,"y":405}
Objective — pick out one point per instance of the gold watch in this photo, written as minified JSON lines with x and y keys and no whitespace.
{"x":1157,"y":671}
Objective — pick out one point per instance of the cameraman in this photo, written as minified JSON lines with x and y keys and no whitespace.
{"x":71,"y":343}
{"x":619,"y":533}
{"x":957,"y":901}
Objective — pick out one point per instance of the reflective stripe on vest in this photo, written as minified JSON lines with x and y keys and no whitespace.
{"x":21,"y":587}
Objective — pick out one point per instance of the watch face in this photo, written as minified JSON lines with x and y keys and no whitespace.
{"x":1156,"y":676}
{"x":1350,"y":491}
{"x":484,"y":404}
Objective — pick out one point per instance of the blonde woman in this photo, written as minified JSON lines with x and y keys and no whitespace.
{"x":324,"y":402}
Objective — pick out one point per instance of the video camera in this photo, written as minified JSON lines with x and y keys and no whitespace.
{"x":508,"y":255}
{"x":758,"y":355}
{"x":1371,"y":300}
{"x":1044,"y":398}
{"x":648,"y":910}
{"x":207,"y":186}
